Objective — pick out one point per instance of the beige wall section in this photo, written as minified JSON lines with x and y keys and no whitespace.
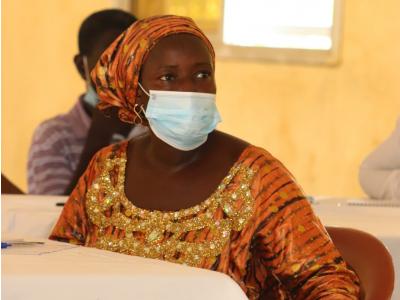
{"x":319,"y":121}
{"x":322,"y":121}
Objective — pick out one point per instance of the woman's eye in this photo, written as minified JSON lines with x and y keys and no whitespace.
{"x":203,"y":74}
{"x":167,"y":77}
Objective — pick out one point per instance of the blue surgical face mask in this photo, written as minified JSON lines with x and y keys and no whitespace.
{"x":90,"y":96}
{"x":183,"y":120}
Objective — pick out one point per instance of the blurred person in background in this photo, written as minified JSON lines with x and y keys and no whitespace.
{"x":380,"y":171}
{"x":63,"y":145}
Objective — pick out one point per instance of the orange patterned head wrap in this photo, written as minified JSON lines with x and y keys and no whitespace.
{"x":117,"y":72}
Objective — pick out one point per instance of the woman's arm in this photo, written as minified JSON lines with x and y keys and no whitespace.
{"x":49,"y":169}
{"x":294,"y":245}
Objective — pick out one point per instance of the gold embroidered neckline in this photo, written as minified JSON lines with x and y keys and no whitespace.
{"x":171,"y":215}
{"x":160,"y":234}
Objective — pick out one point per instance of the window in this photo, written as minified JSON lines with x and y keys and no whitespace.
{"x":279,"y":24}
{"x":285,"y":30}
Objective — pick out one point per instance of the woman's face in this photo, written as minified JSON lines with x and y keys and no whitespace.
{"x":179,"y":62}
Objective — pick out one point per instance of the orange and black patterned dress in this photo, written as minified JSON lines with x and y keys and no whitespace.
{"x":257,"y":227}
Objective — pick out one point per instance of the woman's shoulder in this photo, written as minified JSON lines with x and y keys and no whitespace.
{"x":243,"y":150}
{"x":113,"y":151}
{"x":116,"y":150}
{"x":100,"y":163}
{"x":260,"y":160}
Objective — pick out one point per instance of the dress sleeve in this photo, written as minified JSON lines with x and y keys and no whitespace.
{"x":73,"y":224}
{"x":380,"y":171}
{"x":293,"y":245}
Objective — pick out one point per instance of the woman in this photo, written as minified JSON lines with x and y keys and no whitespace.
{"x":187,"y":193}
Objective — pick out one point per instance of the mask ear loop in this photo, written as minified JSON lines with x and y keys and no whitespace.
{"x":142,"y":88}
{"x":142,"y":110}
{"x":138,"y":110}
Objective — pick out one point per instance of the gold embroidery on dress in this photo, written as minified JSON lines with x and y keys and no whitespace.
{"x":162,"y":232}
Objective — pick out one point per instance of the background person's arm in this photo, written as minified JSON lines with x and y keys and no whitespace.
{"x":49,"y":169}
{"x":380,"y":172}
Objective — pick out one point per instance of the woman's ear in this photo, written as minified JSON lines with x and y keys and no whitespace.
{"x":142,"y":97}
{"x":141,"y":101}
{"x":139,"y":97}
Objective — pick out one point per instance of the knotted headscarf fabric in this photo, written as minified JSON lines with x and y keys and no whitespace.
{"x":116,"y":74}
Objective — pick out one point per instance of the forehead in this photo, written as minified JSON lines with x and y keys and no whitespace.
{"x":178,"y":47}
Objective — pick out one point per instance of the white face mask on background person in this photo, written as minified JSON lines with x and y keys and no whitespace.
{"x":183,"y":120}
{"x":90,"y":97}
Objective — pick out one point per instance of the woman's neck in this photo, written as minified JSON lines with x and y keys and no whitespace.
{"x":167,"y":158}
